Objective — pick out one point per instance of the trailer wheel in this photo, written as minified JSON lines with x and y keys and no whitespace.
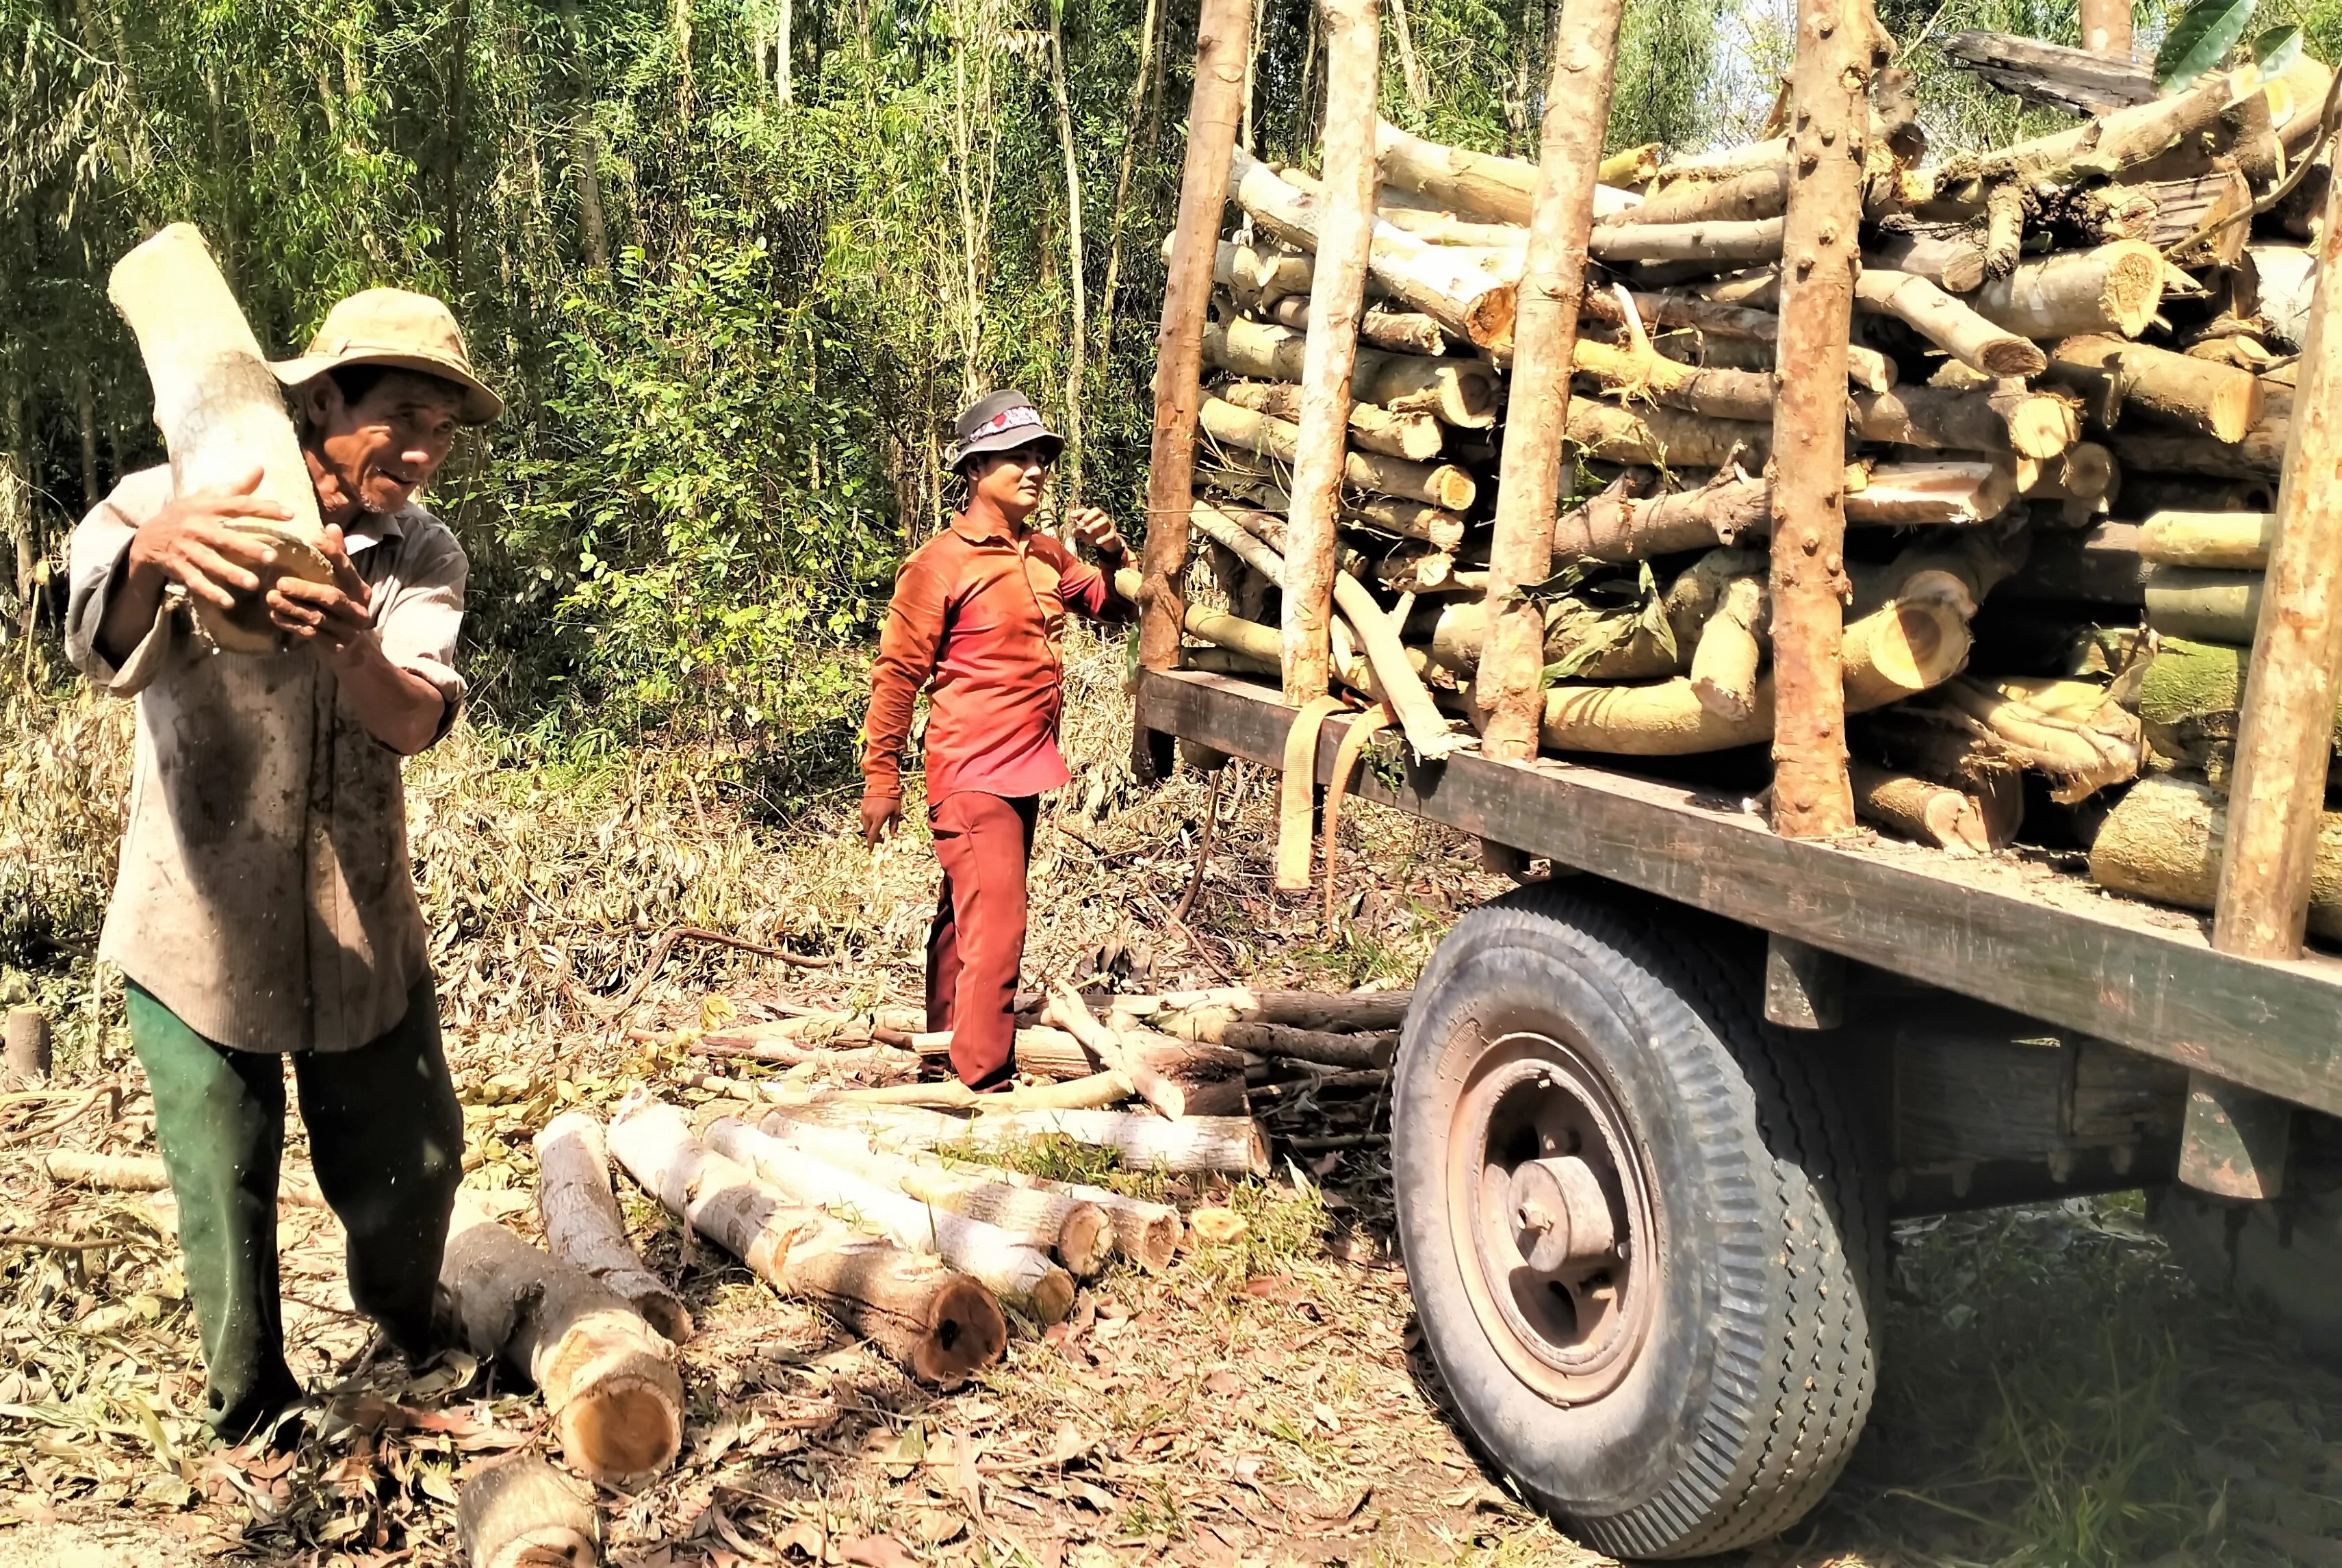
{"x":1641,"y":1241}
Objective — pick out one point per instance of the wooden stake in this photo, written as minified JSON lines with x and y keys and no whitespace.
{"x":1545,"y":340}
{"x":1839,"y":46}
{"x":1336,"y":297}
{"x":1224,"y":35}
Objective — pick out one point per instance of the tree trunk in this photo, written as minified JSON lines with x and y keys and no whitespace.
{"x":2106,"y":146}
{"x":1414,"y":436}
{"x":1079,"y":1233}
{"x":1399,"y":331}
{"x":2093,"y":79}
{"x":1014,"y":1266}
{"x":26,"y":1060}
{"x":1177,"y":1080}
{"x":2218,"y":541}
{"x":521,"y":1513}
{"x":1748,"y":197}
{"x":2070,"y":730}
{"x":1109,"y":294}
{"x":1950,"y":255}
{"x":1230,"y":1144}
{"x":2114,"y":375}
{"x":1919,"y":495}
{"x":1614,"y":526}
{"x":1410,"y":67}
{"x":1731,"y":645}
{"x":1529,"y":489}
{"x":608,"y":1378}
{"x":1461,"y":393}
{"x":2205,"y":606}
{"x":1343,"y":237}
{"x":1077,"y":337}
{"x":1464,"y":298}
{"x":1260,"y":277}
{"x":1443,"y":485}
{"x":2168,"y":840}
{"x":936,"y":1322}
{"x":1720,"y":243}
{"x":1932,"y":814}
{"x":1948,"y":323}
{"x":85,"y":425}
{"x":1182,"y":1011}
{"x":1469,"y":184}
{"x":2004,"y":419}
{"x":1666,"y":438}
{"x":1223,"y":34}
{"x":221,"y":411}
{"x":583,"y":1227}
{"x":2116,"y":288}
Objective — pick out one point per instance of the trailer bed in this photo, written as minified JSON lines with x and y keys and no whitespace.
{"x":2021,"y":934}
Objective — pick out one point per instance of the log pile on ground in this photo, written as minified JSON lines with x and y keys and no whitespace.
{"x":2067,"y":410}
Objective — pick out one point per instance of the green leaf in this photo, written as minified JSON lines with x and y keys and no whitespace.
{"x":2276,"y":49}
{"x":2199,"y":40}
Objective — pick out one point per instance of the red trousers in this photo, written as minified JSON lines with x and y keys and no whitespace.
{"x":977,"y":941}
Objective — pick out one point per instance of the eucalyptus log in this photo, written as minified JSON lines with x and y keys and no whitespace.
{"x":1443,"y":485}
{"x":1684,"y":311}
{"x":2220,"y":541}
{"x":2164,"y":213}
{"x":1181,"y":1012}
{"x":1414,"y":436}
{"x":1641,"y":372}
{"x":2204,"y":605}
{"x":1234,"y":1144}
{"x":2167,"y":838}
{"x":1259,"y":276}
{"x":1462,"y":298}
{"x":521,"y":1513}
{"x":1445,"y":229}
{"x":1399,"y":331}
{"x":1707,"y":243}
{"x":1014,"y":1265}
{"x":2123,"y":139}
{"x":939,"y":1324}
{"x":608,"y":1378}
{"x":1966,"y":336}
{"x":2080,"y":80}
{"x":1249,"y":639}
{"x":2073,"y":731}
{"x":1920,"y":809}
{"x":1473,"y":184}
{"x":2188,"y":697}
{"x":2007,"y":418}
{"x":27,"y":1059}
{"x":2114,"y":288}
{"x":2114,"y":376}
{"x":1618,"y":526}
{"x":1460,"y":392}
{"x":1177,"y":1078}
{"x":1919,"y":495}
{"x":2084,"y":479}
{"x":1950,"y":255}
{"x":583,"y":1227}
{"x":1730,"y":647}
{"x":1750,"y":194}
{"x":1666,"y":438}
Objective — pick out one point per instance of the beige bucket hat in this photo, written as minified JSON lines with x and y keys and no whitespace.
{"x":396,"y":327}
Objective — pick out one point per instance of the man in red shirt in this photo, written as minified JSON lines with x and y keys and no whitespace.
{"x":979,"y":609}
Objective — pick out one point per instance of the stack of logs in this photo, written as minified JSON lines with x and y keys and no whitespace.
{"x":2069,"y":389}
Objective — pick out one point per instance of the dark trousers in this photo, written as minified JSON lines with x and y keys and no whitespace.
{"x":977,"y":941}
{"x":386,"y":1140}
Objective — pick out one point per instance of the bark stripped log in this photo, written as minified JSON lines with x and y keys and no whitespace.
{"x":1475,"y":185}
{"x":1344,"y":236}
{"x":1414,"y":436}
{"x":1223,"y":40}
{"x":1839,"y":48}
{"x":1458,"y":392}
{"x":936,"y":1322}
{"x":1012,"y":1265}
{"x":1950,"y":255}
{"x":2114,"y":288}
{"x":2168,"y":839}
{"x":1440,"y":485}
{"x":1230,"y":1144}
{"x":2114,"y":375}
{"x":1177,"y":1078}
{"x":1756,"y":241}
{"x":1949,"y":324}
{"x":1545,"y":333}
{"x":1925,"y":811}
{"x":609,"y":1380}
{"x":2221,"y":541}
{"x":583,"y":1227}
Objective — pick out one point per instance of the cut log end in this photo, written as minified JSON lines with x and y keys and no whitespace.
{"x":2013,"y":356}
{"x":628,"y":1424}
{"x":522,"y":1512}
{"x":964,"y":1334}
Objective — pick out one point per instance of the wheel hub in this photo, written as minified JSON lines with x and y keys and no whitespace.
{"x":1546,"y":1181}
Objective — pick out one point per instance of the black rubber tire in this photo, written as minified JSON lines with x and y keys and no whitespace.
{"x":1758,"y":1370}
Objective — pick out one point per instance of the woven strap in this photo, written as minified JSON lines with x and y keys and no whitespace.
{"x":1295,"y":795}
{"x":1355,"y":740}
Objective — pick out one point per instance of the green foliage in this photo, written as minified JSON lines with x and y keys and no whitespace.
{"x":2199,"y":40}
{"x":2278,"y":48}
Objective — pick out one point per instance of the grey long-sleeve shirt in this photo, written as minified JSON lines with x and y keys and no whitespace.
{"x":265,"y":894}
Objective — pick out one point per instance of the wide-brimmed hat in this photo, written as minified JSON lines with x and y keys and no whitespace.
{"x":1001,"y":422}
{"x":395,"y":327}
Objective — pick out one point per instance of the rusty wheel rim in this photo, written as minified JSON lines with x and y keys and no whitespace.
{"x":1550,"y":1204}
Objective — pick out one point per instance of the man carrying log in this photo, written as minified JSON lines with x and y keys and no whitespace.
{"x":265,"y":906}
{"x":980,"y":609}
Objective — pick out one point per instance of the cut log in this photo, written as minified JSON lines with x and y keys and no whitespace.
{"x":1944,"y":321}
{"x":221,"y":411}
{"x":936,"y":1322}
{"x":1259,"y":275}
{"x":1462,"y":298}
{"x":1399,"y":331}
{"x":145,"y":1173}
{"x":521,"y":1513}
{"x":1705,"y":243}
{"x":1615,"y":526}
{"x":27,"y":1059}
{"x":2203,"y":605}
{"x":2166,"y":212}
{"x":2114,"y":288}
{"x":1664,"y":438}
{"x":1230,"y":1144}
{"x":1087,"y":1093}
{"x":1443,"y":485}
{"x":1632,"y":373}
{"x":2057,"y":75}
{"x":609,"y":1380}
{"x":1178,"y":1079}
{"x":1414,"y":436}
{"x":1222,"y":79}
{"x":1473,"y":184}
{"x":1730,"y":647}
{"x":2114,"y":376}
{"x":1531,"y":477}
{"x":1682,"y":311}
{"x":1748,"y":196}
{"x":2084,"y":479}
{"x":2123,"y":139}
{"x":1079,"y":1231}
{"x":2220,"y":541}
{"x":1316,"y":1010}
{"x":2070,"y":730}
{"x":1459,"y":391}
{"x":1919,"y":495}
{"x":1931,"y":813}
{"x":1445,"y":229}
{"x":2165,"y":841}
{"x":1950,"y":255}
{"x":1014,"y":1265}
{"x":2187,"y":703}
{"x":1371,"y":1049}
{"x":2007,"y":418}
{"x":583,"y":1227}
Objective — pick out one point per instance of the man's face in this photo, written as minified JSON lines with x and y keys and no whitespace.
{"x":385,"y":446}
{"x":1011,"y":481}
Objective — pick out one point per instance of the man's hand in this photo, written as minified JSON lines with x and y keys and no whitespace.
{"x":335,"y":618}
{"x":1094,"y":528}
{"x":882,"y":818}
{"x":194,"y":541}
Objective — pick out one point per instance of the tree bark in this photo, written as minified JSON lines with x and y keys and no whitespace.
{"x":1839,"y":46}
{"x":1230,"y":1144}
{"x":2115,"y":288}
{"x":1223,"y":36}
{"x":1748,"y":197}
{"x":1077,"y":337}
{"x":26,"y":1060}
{"x":1731,"y":645}
{"x":1443,"y":485}
{"x":1666,"y":438}
{"x":1469,"y":184}
{"x":1720,"y":243}
{"x":1577,"y":104}
{"x":2206,"y":606}
{"x":2003,"y":419}
{"x":2070,"y":730}
{"x":1944,"y":321}
{"x":1461,"y":393}
{"x":2106,"y":146}
{"x":1399,"y":331}
{"x":1462,"y":298}
{"x":521,"y":1513}
{"x":1932,"y":814}
{"x":2219,"y":541}
{"x":1344,"y":238}
{"x":1012,"y":1265}
{"x":2092,"y":79}
{"x":1109,"y":293}
{"x":2114,"y":375}
{"x":1950,"y":255}
{"x":608,"y":1378}
{"x":583,"y":1227}
{"x":936,"y":1322}
{"x":1414,"y":436}
{"x":1183,"y":1012}
{"x":2168,"y":839}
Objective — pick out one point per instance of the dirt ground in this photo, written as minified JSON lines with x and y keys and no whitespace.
{"x":2054,"y":1391}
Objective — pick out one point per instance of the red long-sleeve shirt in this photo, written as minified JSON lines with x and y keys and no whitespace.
{"x":981,"y":614}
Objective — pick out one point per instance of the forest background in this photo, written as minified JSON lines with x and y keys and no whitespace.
{"x":735,"y":264}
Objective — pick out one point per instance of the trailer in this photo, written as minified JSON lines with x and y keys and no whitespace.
{"x":1653,"y":1111}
